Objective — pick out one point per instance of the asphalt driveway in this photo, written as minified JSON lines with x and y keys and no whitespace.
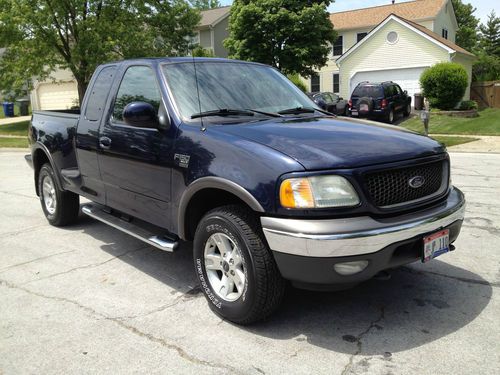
{"x":90,"y":299}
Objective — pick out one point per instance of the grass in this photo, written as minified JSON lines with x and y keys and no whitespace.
{"x":14,"y":142}
{"x":453,"y":141}
{"x":18,"y":128}
{"x":488,"y":123}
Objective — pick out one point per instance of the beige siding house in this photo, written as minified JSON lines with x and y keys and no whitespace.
{"x":394,"y":42}
{"x":58,"y":92}
{"x":213,"y":29}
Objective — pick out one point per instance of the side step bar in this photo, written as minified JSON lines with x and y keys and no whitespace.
{"x":161,"y":242}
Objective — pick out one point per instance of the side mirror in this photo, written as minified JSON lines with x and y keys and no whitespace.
{"x":141,"y":115}
{"x":406,"y":92}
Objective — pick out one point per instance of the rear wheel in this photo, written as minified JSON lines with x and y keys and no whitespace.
{"x":390,"y":116}
{"x":235,"y":268}
{"x":60,"y":207}
{"x":407,"y":110}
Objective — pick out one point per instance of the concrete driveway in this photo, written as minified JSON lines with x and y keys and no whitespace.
{"x":90,"y":299}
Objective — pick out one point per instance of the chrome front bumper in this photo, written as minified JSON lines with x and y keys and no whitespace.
{"x":358,"y":235}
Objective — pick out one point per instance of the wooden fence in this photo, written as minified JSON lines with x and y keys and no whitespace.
{"x":486,"y":94}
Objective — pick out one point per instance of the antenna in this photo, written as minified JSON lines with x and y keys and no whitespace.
{"x":202,"y":128}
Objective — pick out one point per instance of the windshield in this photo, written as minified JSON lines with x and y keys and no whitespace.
{"x":227,"y":85}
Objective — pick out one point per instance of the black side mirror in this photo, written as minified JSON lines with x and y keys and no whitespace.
{"x":406,"y":92}
{"x":141,"y":115}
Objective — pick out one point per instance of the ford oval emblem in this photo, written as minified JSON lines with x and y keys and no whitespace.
{"x":416,"y":182}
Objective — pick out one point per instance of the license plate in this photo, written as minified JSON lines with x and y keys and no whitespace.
{"x":436,"y":244}
{"x":354,"y":113}
{"x":363,"y":107}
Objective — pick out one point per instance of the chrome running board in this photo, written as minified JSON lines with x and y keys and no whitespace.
{"x":160,"y":241}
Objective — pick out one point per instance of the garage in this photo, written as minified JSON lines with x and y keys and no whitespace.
{"x":52,"y":96}
{"x":407,"y":78}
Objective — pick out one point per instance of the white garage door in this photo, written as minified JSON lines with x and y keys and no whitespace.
{"x":408,"y":79}
{"x":57,"y":96}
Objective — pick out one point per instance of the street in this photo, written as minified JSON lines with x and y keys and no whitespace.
{"x":90,"y":299}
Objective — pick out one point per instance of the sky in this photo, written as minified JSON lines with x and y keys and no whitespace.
{"x":484,"y":7}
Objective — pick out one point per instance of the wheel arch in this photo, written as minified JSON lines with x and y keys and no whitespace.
{"x":205,"y":194}
{"x":41,"y":156}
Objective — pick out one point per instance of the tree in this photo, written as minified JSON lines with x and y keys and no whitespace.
{"x":205,"y":4}
{"x":293,"y":36}
{"x":42,"y":35}
{"x":490,"y":35}
{"x":466,"y":37}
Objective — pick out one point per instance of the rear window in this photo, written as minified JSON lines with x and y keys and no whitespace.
{"x":370,"y":91}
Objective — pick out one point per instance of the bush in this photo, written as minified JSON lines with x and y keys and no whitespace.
{"x":297,"y":81}
{"x":444,"y":84}
{"x":467,"y":105}
{"x":199,"y":51}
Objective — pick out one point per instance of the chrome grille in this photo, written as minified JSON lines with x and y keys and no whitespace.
{"x":392,"y":187}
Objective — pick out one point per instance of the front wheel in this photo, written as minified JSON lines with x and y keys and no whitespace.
{"x":60,"y":207}
{"x":235,"y":268}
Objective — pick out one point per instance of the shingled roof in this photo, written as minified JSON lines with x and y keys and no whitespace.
{"x":211,"y":17}
{"x":417,"y":10}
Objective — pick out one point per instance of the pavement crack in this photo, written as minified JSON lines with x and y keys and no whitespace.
{"x":359,"y":342}
{"x":34,"y":260}
{"x":136,"y":331}
{"x":458,"y":278}
{"x":92,"y":265}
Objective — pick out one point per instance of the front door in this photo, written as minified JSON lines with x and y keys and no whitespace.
{"x":135,"y":161}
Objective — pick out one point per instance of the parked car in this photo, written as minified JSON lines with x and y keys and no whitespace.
{"x":330,"y":102}
{"x":379,"y":101}
{"x":267,"y":186}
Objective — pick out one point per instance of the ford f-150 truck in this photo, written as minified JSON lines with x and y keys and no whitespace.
{"x":232,"y":156}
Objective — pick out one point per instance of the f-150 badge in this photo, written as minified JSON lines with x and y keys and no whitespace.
{"x":182,"y":160}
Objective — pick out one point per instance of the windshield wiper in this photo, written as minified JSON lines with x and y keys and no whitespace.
{"x":297,"y":110}
{"x":223,"y":112}
{"x":270,"y":114}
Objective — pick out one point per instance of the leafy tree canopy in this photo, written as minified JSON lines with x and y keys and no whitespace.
{"x":467,"y":25}
{"x":205,"y":4}
{"x":293,"y":35}
{"x":41,"y":35}
{"x":490,"y":35}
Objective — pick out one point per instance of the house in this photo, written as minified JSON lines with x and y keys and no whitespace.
{"x":213,"y":29}
{"x":394,"y":42}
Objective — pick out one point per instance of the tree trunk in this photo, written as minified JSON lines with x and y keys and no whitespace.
{"x":82,"y":87}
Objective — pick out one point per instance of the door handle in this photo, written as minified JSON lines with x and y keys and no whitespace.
{"x":105,"y":142}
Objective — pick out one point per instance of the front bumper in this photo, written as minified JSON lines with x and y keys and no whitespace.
{"x":307,"y":250}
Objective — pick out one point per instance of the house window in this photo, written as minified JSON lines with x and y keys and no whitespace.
{"x":315,"y":83}
{"x":336,"y":83}
{"x":444,"y":33}
{"x":360,"y":36}
{"x":338,"y":46}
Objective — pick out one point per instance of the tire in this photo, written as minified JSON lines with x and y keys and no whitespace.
{"x":390,"y":117}
{"x":60,"y":207}
{"x":248,"y":259}
{"x":369,"y":102}
{"x":407,"y":110}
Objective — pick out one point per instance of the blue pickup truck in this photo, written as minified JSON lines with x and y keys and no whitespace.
{"x":232,"y":156}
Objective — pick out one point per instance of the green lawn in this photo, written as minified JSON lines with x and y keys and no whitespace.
{"x":14,"y":142}
{"x":16,"y":110}
{"x":19,"y":128}
{"x":453,"y":141}
{"x":488,"y":123}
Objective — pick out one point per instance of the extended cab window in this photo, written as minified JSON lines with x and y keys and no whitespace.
{"x":99,"y":93}
{"x":138,"y":85}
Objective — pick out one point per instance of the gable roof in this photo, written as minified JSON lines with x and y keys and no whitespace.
{"x":211,"y":17}
{"x":428,"y":34}
{"x":417,"y":10}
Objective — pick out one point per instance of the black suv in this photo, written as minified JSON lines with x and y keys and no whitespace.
{"x":379,"y":101}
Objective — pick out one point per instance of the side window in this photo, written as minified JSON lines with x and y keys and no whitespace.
{"x":398,"y":90}
{"x":99,"y":94}
{"x":138,"y":85}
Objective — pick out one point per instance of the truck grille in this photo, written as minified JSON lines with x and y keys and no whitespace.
{"x":392,"y":187}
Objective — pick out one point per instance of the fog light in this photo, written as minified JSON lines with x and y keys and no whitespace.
{"x":350,"y":268}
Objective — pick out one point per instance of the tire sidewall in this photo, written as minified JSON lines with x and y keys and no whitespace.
{"x":47,"y":171}
{"x":242,"y":306}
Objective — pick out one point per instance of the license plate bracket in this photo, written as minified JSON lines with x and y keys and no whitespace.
{"x":435,"y":244}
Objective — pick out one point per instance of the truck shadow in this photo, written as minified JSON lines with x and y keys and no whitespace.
{"x":419,"y":304}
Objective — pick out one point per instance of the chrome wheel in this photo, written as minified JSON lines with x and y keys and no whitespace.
{"x":49,"y":195}
{"x":225,"y":267}
{"x":391,"y":117}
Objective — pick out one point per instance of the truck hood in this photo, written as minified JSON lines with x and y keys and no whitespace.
{"x":329,"y":143}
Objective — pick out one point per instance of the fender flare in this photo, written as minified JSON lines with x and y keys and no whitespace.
{"x":40,"y":146}
{"x":212,"y":183}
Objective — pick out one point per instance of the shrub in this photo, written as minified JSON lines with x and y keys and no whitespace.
{"x":467,"y":105}
{"x":444,"y":84}
{"x":297,"y":81}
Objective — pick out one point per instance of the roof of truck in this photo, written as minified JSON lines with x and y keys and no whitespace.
{"x":187,"y":59}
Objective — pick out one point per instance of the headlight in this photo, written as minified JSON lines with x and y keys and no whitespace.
{"x":317,"y":192}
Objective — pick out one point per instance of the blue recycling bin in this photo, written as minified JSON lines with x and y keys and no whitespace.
{"x":8,"y":109}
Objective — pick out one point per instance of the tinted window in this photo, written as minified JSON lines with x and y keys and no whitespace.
{"x":99,"y":94}
{"x":138,"y":85}
{"x":398,"y":90}
{"x":370,"y":91}
{"x":327,"y":98}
